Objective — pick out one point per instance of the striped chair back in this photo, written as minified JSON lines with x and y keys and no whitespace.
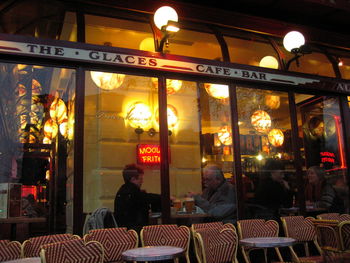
{"x":344,"y":231}
{"x":327,"y":232}
{"x":9,"y":250}
{"x":334,"y":216}
{"x":166,"y":235}
{"x":114,"y":241}
{"x":257,"y":228}
{"x":217,"y":245}
{"x":205,"y":226}
{"x":303,"y":231}
{"x":72,"y":251}
{"x":31,"y":247}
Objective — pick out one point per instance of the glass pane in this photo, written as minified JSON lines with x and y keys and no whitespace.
{"x":267,"y":159}
{"x":315,"y":63}
{"x":121,"y":128}
{"x":321,"y":134}
{"x":194,"y":44}
{"x":345,"y":69}
{"x":201,"y":138}
{"x":118,"y":33}
{"x":251,"y":50}
{"x":37,"y":18}
{"x":36,"y":145}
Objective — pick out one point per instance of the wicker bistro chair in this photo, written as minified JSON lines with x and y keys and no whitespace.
{"x":334,"y":216}
{"x":303,"y":231}
{"x":72,"y":251}
{"x":328,"y":235}
{"x":31,"y":247}
{"x":257,"y":228}
{"x":114,"y":241}
{"x":9,"y":250}
{"x":167,"y":235}
{"x":217,"y":245}
{"x":206,"y":226}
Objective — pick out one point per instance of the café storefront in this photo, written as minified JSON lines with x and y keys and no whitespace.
{"x":73,"y":114}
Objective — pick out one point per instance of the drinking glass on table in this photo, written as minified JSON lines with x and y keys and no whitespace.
{"x":177,"y":205}
{"x":189,"y":204}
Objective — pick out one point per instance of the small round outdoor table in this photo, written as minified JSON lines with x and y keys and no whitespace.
{"x":152,"y":253}
{"x":267,"y":242}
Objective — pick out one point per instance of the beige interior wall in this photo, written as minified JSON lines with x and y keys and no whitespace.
{"x":110,"y":142}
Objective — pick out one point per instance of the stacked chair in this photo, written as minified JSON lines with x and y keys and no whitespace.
{"x":303,"y":231}
{"x":257,"y":228}
{"x":72,"y":251}
{"x":167,"y":235}
{"x":9,"y":250}
{"x":114,"y":241}
{"x":215,"y":242}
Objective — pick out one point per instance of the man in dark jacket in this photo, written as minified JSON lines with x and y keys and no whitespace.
{"x":131,"y":204}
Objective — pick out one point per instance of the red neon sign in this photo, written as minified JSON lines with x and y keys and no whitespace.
{"x":327,"y":157}
{"x":148,"y":154}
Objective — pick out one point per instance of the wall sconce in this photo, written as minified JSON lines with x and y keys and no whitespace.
{"x":294,"y":42}
{"x":151,"y":132}
{"x":172,"y":116}
{"x":166,"y":19}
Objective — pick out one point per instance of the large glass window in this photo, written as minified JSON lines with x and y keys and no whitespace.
{"x":121,"y":128}
{"x":321,"y":134}
{"x":269,"y":180}
{"x":118,"y":33}
{"x":199,"y":119}
{"x":251,"y":50}
{"x":36,"y":144}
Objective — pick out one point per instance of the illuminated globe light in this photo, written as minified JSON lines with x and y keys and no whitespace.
{"x":107,"y":81}
{"x":293,"y":39}
{"x":261,"y":121}
{"x":217,"y":91}
{"x":50,"y":129}
{"x":163,"y":15}
{"x":172,"y":85}
{"x":225,"y":136}
{"x":172,"y":116}
{"x":276,"y":137}
{"x":269,"y":62}
{"x":139,"y":115}
{"x":58,"y":110}
{"x":46,"y":140}
{"x":272,"y":101}
{"x":36,"y":87}
{"x":147,"y":44}
{"x":64,"y":128}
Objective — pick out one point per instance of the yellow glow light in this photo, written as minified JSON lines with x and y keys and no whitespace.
{"x":50,"y":129}
{"x":261,"y":121}
{"x":172,"y":85}
{"x":171,"y":116}
{"x":293,"y":39}
{"x":276,"y":137}
{"x":269,"y":62}
{"x":273,"y":101}
{"x":225,"y":136}
{"x":139,"y":115}
{"x":107,"y":81}
{"x":163,"y":15}
{"x":217,"y":91}
{"x":147,"y":44}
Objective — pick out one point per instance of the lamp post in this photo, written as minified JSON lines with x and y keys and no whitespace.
{"x":166,"y":20}
{"x":294,"y":42}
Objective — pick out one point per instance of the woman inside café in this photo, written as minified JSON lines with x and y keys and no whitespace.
{"x":320,"y":193}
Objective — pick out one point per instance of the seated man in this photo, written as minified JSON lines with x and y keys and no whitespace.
{"x":219,"y":196}
{"x":131,"y":205}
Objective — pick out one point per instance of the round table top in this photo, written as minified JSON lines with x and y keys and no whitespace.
{"x":265,"y":242}
{"x":152,"y":253}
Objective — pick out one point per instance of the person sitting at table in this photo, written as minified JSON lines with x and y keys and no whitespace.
{"x":273,"y":192}
{"x":131,"y":204}
{"x":219,"y":196}
{"x":319,"y":193}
